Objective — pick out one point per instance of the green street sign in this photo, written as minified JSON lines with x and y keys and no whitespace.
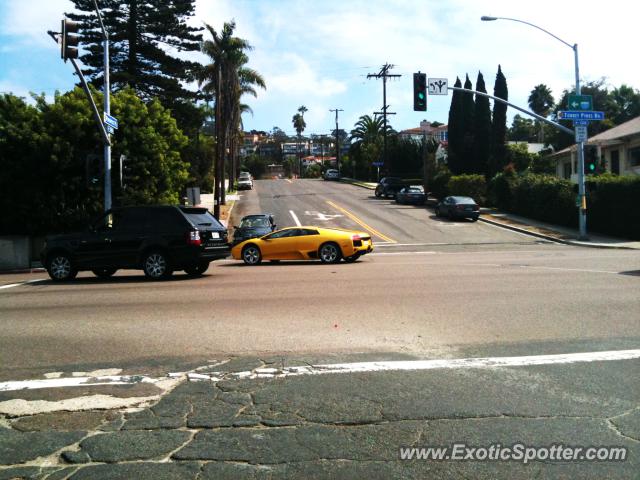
{"x":580,"y":102}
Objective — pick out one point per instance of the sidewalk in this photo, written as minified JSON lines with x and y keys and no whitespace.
{"x":556,"y":233}
{"x":206,"y":200}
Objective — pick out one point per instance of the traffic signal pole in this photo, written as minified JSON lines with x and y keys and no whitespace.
{"x":85,"y":87}
{"x":582,"y":216}
{"x":107,"y":111}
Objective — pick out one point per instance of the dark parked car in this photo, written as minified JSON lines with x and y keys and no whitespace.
{"x":155,"y":239}
{"x":458,"y":207}
{"x":389,"y":186}
{"x":253,"y":226}
{"x":411,"y":195}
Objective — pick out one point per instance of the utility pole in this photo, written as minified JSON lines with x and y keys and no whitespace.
{"x":384,"y":74}
{"x":337,"y":138}
{"x":107,"y":111}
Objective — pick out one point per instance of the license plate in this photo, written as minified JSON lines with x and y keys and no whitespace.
{"x":215,"y":235}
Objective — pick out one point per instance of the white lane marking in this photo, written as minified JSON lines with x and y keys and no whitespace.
{"x":358,"y":367}
{"x":387,"y":244}
{"x":76,"y":382}
{"x":488,"y":362}
{"x":321,"y":217}
{"x":295,"y":218}
{"x":11,"y":285}
{"x":404,"y":253}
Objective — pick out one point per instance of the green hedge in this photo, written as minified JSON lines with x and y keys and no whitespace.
{"x":611,"y":201}
{"x":438,"y":187}
{"x":474,"y":186}
{"x":612,"y":205}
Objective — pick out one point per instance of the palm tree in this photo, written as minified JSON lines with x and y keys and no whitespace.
{"x":541,"y":102}
{"x":367,"y":136}
{"x":299,"y":125}
{"x":224,"y":78}
{"x":248,"y":79}
{"x":368,"y":130}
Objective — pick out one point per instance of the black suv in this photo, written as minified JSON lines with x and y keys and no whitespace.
{"x":156,"y":239}
{"x":389,"y":186}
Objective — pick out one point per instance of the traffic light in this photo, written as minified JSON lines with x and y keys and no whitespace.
{"x":68,"y":48}
{"x":94,"y":169}
{"x":590,"y":160}
{"x":420,"y":92}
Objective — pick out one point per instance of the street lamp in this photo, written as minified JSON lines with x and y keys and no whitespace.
{"x":582,"y":214}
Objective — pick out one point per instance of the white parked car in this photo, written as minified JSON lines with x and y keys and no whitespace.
{"x":245,"y":183}
{"x":332,"y":174}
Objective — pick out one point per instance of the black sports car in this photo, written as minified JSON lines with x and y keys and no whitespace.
{"x":253,"y":226}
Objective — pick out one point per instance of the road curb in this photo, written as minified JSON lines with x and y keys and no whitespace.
{"x":574,"y":243}
{"x":23,"y":270}
{"x":357,"y":183}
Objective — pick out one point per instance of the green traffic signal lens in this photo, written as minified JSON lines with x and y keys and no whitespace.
{"x":592,"y":167}
{"x":421,"y":96}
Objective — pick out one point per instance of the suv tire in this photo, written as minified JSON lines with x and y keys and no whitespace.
{"x":60,"y":267}
{"x":104,"y":272}
{"x":156,"y":265}
{"x":197,"y":270}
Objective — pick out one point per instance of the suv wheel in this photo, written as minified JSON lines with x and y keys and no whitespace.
{"x":197,"y":270}
{"x":251,"y":255}
{"x":329,"y":253}
{"x":60,"y":268}
{"x":104,"y":272}
{"x":156,"y":265}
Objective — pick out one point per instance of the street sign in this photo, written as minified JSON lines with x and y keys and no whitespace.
{"x":580,"y":122}
{"x":581,"y":133}
{"x":438,"y":86}
{"x":111,"y":121}
{"x":580,"y":102}
{"x":580,"y":115}
{"x":377,"y":164}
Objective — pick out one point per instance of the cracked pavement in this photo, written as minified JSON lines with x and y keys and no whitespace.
{"x":347,"y":425}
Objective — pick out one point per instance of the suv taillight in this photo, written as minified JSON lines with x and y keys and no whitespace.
{"x":193,"y":238}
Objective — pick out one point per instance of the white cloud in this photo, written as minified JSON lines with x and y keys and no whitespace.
{"x":28,"y":22}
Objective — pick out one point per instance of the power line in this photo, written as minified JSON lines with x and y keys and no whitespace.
{"x":384,"y":74}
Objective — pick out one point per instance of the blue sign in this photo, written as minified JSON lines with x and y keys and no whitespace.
{"x":581,"y":123}
{"x":580,"y":115}
{"x":377,"y":164}
{"x":111,"y":121}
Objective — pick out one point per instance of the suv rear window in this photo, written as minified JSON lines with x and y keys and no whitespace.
{"x":201,"y":217}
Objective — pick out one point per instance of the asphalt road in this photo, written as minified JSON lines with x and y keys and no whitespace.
{"x":442,"y":285}
{"x":433,"y":289}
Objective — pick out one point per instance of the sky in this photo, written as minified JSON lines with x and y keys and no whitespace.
{"x":318,"y":53}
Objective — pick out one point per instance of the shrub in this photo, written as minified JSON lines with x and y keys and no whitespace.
{"x":499,"y":191}
{"x":474,"y":186}
{"x":438,"y":187}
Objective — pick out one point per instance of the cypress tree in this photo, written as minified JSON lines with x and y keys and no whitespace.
{"x":141,"y":32}
{"x":482,"y":129}
{"x":468,"y":144}
{"x":455,"y":132}
{"x":498,"y":156}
